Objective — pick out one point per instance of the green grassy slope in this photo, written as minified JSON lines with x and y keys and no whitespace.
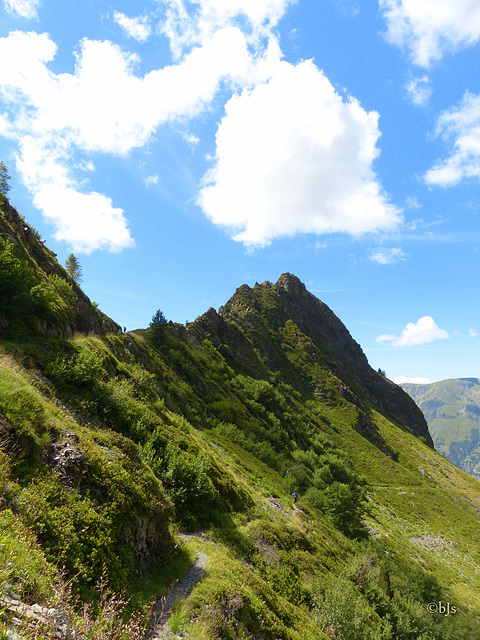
{"x":112,"y":444}
{"x":452,"y":410}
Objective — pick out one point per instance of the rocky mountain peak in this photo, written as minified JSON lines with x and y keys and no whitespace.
{"x":291,"y":283}
{"x":273,"y":327}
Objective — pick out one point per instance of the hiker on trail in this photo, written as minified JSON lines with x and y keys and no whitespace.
{"x":295,"y":497}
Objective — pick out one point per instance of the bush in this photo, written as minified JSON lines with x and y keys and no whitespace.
{"x":187,"y":483}
{"x":344,"y":505}
{"x":80,"y":370}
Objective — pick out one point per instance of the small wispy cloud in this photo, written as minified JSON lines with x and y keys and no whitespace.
{"x":387,"y":256}
{"x":424,"y":331}
{"x":137,"y":28}
{"x":460,"y":128}
{"x":412,"y":203}
{"x":419,"y":90}
{"x":151,"y":180}
{"x":191,"y":139}
{"x":472,"y":333}
{"x":21,"y":8}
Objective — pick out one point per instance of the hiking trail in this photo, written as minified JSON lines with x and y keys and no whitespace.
{"x":163,"y":606}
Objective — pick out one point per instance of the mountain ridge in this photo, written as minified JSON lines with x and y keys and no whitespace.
{"x":111,"y":443}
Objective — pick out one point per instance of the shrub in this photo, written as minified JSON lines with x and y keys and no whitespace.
{"x":343,"y":505}
{"x":82,"y":369}
{"x":187,"y":483}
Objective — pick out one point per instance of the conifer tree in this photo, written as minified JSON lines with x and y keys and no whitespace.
{"x":157,"y":326}
{"x":73,"y":268}
{"x":4,"y":178}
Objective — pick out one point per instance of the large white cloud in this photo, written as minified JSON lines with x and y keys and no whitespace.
{"x":423,"y":331}
{"x":460,"y":127}
{"x":430,"y":28}
{"x":87,"y":221}
{"x":103,"y":106}
{"x":293,"y":156}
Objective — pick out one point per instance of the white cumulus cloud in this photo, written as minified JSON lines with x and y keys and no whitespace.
{"x":137,"y":28}
{"x":430,"y":28}
{"x":104,"y":106}
{"x":423,"y":331}
{"x":87,"y":221}
{"x":22,"y":8}
{"x":460,"y":127}
{"x":293,"y":156}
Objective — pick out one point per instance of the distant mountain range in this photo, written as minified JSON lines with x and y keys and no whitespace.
{"x":452,"y":410}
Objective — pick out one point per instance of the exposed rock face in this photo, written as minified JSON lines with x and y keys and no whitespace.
{"x":69,"y":461}
{"x":146,"y":538}
{"x":253,"y":320}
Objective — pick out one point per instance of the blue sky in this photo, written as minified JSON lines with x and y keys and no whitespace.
{"x":181,"y":148}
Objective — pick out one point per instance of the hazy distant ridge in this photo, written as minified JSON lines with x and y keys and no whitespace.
{"x":452,"y":410}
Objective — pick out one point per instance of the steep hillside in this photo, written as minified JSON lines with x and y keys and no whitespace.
{"x":111,"y":444}
{"x":452,"y":410}
{"x":36,"y":293}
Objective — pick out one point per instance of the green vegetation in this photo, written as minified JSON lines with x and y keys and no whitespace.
{"x":111,"y":444}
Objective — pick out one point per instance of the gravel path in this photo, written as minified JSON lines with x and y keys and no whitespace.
{"x":163,"y":607}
